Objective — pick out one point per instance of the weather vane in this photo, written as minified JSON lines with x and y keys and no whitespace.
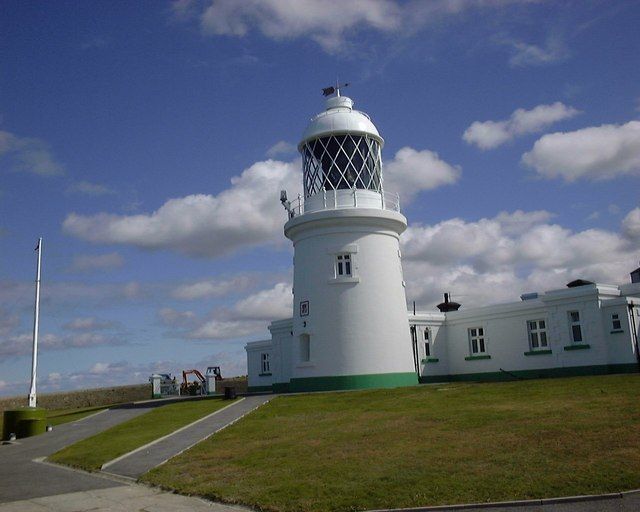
{"x":334,"y":89}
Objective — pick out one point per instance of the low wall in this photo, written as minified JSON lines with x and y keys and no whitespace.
{"x":83,"y":398}
{"x":240,"y":383}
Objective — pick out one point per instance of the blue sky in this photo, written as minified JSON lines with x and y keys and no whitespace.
{"x":147,"y":143}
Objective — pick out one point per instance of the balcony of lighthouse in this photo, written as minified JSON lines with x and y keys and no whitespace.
{"x":341,"y":199}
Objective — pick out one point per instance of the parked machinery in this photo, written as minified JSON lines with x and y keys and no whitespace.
{"x":196,"y":387}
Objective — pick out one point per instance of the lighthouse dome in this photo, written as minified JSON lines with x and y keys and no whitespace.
{"x":341,"y":150}
{"x":340,"y":117}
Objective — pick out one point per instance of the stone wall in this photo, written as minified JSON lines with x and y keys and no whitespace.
{"x":83,"y":398}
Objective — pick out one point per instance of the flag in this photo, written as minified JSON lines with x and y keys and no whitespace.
{"x":37,"y":245}
{"x":328,"y":90}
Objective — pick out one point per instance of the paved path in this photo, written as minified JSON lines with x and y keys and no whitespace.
{"x":139,"y":462}
{"x":126,"y":498}
{"x":22,"y":478}
{"x":27,"y":485}
{"x":621,"y":502}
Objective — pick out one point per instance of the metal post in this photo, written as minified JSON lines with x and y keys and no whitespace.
{"x":36,"y":318}
{"x":355,"y":197}
{"x":324,"y":198}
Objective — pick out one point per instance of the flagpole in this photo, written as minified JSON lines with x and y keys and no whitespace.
{"x":36,"y":319}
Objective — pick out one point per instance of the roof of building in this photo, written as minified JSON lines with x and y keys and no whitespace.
{"x":340,"y":117}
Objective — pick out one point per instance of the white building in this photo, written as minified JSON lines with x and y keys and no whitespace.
{"x":350,"y":327}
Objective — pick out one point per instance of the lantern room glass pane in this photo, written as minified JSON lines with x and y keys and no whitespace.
{"x":341,"y":162}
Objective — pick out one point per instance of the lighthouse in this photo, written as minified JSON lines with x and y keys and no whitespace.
{"x":349,"y":328}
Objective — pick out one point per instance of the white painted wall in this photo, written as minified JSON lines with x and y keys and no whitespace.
{"x":255,"y":376}
{"x":357,"y":325}
{"x":506,"y":335}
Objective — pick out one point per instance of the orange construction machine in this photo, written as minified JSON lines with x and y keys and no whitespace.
{"x":202,"y":385}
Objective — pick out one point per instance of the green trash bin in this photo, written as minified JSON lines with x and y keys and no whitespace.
{"x":24,"y":422}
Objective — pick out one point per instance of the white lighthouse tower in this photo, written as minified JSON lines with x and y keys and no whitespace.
{"x":350,"y":327}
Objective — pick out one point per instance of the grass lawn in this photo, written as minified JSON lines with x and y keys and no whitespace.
{"x":91,"y":453}
{"x":419,"y":446}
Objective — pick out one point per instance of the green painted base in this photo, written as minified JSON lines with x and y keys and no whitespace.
{"x":538,"y":353}
{"x":259,"y":389}
{"x":24,"y":422}
{"x":476,"y":358}
{"x":382,"y":380}
{"x":280,"y":387}
{"x":543,"y":373}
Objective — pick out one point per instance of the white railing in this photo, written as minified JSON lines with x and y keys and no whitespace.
{"x":339,"y":199}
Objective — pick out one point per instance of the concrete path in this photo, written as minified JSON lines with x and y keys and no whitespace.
{"x":142,"y":460}
{"x":127,"y":498}
{"x":617,"y":502}
{"x":26,"y":484}
{"x":22,"y":478}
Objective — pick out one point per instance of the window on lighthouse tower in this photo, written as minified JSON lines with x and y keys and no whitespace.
{"x":343,"y":265}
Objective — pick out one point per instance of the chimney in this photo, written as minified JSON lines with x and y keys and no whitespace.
{"x":447,"y":305}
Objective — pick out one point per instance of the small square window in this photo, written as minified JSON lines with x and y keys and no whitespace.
{"x":616,"y":324}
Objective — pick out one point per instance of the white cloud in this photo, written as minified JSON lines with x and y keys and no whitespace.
{"x":87,"y":324}
{"x":523,"y":54}
{"x":212,"y":288}
{"x":281,"y":148}
{"x":86,"y":262}
{"x":631,"y":224}
{"x":411,"y":171}
{"x":173,"y":317}
{"x":247,"y":214}
{"x":278,"y":19}
{"x":271,"y":304}
{"x":249,"y":315}
{"x":330,"y":23}
{"x":89,"y":189}
{"x":598,"y":152}
{"x":28,"y":155}
{"x":227,"y":329}
{"x":491,"y":134}
{"x":496,"y":259}
{"x":21,"y":344}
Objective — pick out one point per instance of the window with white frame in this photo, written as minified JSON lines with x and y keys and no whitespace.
{"x":265,"y":364}
{"x":537,"y":334}
{"x":305,"y":348}
{"x":616,"y":324}
{"x":574,"y":325}
{"x":476,"y":341}
{"x":427,"y":341}
{"x":343,"y":265}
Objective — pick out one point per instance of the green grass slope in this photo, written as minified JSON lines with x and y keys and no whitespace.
{"x":91,"y":453}
{"x":419,"y":446}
